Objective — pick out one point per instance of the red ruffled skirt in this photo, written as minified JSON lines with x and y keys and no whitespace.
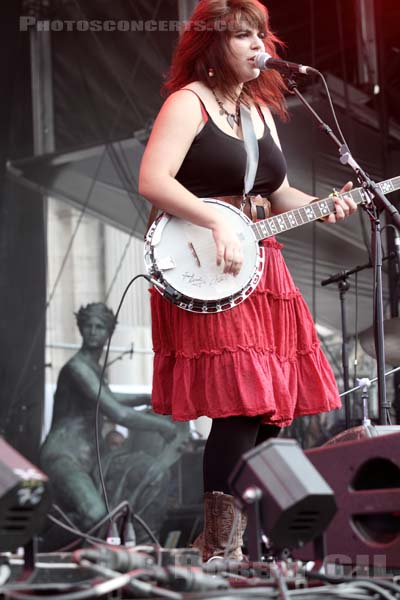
{"x":262,"y":357}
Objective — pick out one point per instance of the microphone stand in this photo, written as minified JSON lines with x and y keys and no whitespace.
{"x":343,"y":287}
{"x":378,"y":201}
{"x":341,"y":279}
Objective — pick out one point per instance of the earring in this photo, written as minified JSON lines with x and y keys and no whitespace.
{"x":211,"y":72}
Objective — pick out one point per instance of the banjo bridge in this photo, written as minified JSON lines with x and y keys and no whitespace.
{"x":194,"y":254}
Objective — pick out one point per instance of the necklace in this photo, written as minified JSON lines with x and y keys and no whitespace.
{"x":232,"y":118}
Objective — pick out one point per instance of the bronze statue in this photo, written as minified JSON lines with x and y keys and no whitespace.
{"x":68,"y":454}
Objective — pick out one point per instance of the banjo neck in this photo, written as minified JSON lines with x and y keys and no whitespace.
{"x":312,"y":212}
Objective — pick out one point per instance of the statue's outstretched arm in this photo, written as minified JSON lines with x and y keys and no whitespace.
{"x":133,"y":399}
{"x":88,"y":381}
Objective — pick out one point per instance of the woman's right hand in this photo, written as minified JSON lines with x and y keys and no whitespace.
{"x":229,"y":248}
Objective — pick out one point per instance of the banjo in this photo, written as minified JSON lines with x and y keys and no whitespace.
{"x":180,"y":257}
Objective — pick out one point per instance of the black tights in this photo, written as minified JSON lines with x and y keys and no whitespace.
{"x":229,"y":438}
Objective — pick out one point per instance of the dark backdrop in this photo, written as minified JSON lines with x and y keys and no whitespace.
{"x":22,"y":253}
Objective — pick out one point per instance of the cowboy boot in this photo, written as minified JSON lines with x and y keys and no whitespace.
{"x":219,"y":516}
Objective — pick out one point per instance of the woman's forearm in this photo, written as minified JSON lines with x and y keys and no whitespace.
{"x":289,"y":198}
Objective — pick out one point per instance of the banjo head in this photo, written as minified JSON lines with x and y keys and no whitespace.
{"x":181,"y":257}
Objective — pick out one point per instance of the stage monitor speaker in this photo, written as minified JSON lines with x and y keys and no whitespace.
{"x":296,"y":504}
{"x":362,"y":431}
{"x":365,"y":476}
{"x":24,"y":499}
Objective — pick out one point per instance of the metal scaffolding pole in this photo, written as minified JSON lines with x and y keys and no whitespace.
{"x":185,"y":9}
{"x":367,"y":53}
{"x":42,"y":92}
{"x":42,"y":105}
{"x":372,"y":76}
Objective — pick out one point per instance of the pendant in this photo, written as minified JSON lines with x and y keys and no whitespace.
{"x":231,"y":120}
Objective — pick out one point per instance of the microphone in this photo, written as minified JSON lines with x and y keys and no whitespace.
{"x":264,"y":61}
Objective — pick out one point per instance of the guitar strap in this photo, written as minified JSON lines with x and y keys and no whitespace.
{"x":259,"y":207}
{"x":251,"y":146}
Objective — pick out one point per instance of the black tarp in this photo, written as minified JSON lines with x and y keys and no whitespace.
{"x":107,"y":83}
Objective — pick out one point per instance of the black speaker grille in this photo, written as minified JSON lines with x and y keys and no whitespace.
{"x":16,"y":518}
{"x":381,"y":528}
{"x":376,"y":473}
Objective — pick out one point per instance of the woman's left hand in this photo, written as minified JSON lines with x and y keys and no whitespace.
{"x":344,"y":206}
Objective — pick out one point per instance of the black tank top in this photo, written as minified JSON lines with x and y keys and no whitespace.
{"x":216,"y":163}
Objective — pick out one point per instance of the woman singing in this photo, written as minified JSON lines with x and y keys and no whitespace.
{"x":254,"y":368}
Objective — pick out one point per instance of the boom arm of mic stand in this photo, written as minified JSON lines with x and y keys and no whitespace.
{"x":342,"y":275}
{"x":381,"y":202}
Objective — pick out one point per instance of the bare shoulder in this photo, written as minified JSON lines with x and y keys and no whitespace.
{"x":181,"y":98}
{"x":175,"y":127}
{"x":183,"y":106}
{"x":190,"y":95}
{"x":200,"y":90}
{"x":182,"y":110}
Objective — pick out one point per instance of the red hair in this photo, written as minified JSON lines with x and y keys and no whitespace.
{"x":204,"y":44}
